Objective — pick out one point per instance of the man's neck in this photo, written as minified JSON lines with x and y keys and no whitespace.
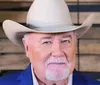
{"x":53,"y":83}
{"x":36,"y":81}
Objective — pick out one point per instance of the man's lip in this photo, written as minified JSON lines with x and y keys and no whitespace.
{"x":53,"y":63}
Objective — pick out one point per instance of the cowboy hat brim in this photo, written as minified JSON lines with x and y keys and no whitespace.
{"x":15,"y":31}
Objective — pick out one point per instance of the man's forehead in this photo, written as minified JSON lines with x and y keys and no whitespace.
{"x":49,"y":34}
{"x":39,"y":36}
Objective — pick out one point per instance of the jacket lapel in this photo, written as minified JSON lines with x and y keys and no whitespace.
{"x":26,"y":77}
{"x":78,"y":79}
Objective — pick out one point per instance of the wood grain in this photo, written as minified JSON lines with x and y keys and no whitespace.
{"x":7,"y":46}
{"x":86,"y":47}
{"x":12,"y":6}
{"x":90,"y":63}
{"x":20,"y":61}
{"x":89,"y":46}
{"x":33,"y":0}
{"x":13,"y":62}
{"x":92,"y":33}
{"x":13,"y":57}
{"x":2,"y":34}
{"x":16,"y":62}
{"x":20,"y":16}
{"x":83,"y":15}
{"x":16,"y":16}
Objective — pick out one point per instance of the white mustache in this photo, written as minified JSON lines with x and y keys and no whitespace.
{"x":56,"y":60}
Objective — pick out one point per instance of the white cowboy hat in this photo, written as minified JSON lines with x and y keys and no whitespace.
{"x":46,"y":16}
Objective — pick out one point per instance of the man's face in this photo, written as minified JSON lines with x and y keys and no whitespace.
{"x":52,"y":55}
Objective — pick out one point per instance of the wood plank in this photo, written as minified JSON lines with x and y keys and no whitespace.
{"x":74,"y":17}
{"x":93,"y":33}
{"x":76,"y":65}
{"x":7,"y":46}
{"x":19,"y":62}
{"x":20,"y":16}
{"x":2,"y":34}
{"x":89,"y":47}
{"x":13,"y":62}
{"x":23,"y":5}
{"x":83,"y":15}
{"x":90,"y":63}
{"x":16,"y":0}
{"x":33,"y":0}
{"x":9,"y":5}
{"x":86,"y":47}
{"x":89,"y":1}
{"x":16,"y":16}
{"x":29,"y":0}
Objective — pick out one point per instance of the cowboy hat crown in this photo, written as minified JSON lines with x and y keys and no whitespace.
{"x":49,"y":12}
{"x":45,"y":16}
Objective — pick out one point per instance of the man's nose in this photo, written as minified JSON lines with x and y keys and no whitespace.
{"x":57,"y":49}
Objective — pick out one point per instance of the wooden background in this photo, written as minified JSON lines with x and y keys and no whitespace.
{"x":12,"y":57}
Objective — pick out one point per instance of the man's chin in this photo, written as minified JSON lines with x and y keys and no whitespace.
{"x":57,"y":74}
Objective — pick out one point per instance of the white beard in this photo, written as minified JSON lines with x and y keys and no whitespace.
{"x":57,"y":74}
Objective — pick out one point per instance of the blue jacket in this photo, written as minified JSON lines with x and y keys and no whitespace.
{"x":25,"y":78}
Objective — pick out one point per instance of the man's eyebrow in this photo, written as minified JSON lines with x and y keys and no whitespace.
{"x":67,"y":36}
{"x":47,"y":37}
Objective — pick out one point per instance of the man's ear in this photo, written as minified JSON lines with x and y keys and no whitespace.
{"x":25,"y":46}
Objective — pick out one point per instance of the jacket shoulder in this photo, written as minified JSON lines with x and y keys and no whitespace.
{"x":91,"y":81}
{"x":82,"y":79}
{"x":10,"y":79}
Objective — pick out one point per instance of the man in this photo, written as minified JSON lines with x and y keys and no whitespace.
{"x":50,"y":44}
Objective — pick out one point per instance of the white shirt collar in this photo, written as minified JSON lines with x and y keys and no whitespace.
{"x":35,"y":82}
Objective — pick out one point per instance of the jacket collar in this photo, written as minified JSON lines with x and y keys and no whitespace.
{"x":26,"y":77}
{"x":78,"y":79}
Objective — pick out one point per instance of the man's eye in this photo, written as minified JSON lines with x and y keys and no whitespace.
{"x":65,"y":41}
{"x":47,"y":42}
